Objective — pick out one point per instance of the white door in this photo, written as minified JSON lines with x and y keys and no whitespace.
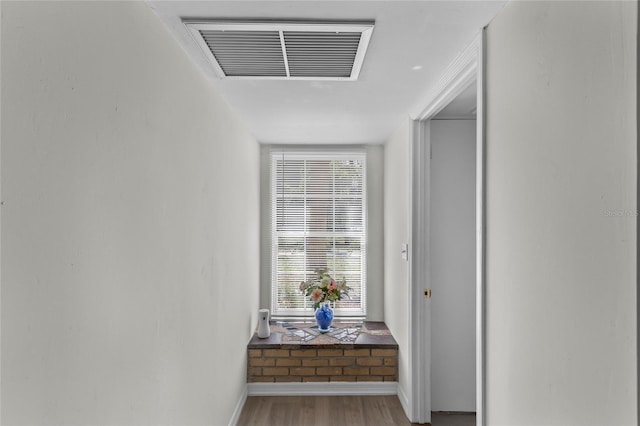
{"x":453,"y":264}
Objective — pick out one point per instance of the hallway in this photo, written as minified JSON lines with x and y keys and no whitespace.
{"x":137,"y":232}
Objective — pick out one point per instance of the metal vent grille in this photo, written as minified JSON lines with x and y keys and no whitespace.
{"x":247,"y":53}
{"x":303,"y":51}
{"x":313,"y":54}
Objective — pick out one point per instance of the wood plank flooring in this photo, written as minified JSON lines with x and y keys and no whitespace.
{"x":453,"y":419}
{"x":336,"y":411}
{"x":323,"y":410}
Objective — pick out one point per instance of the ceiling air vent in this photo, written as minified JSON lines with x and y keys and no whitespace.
{"x":284,"y":50}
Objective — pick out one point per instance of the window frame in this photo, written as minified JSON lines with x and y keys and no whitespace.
{"x":317,"y":154}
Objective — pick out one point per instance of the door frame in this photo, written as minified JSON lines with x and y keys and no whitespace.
{"x":463,"y":71}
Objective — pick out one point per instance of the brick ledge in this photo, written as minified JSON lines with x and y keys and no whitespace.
{"x":299,"y":353}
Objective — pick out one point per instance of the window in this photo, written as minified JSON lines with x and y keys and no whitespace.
{"x":318,"y":220}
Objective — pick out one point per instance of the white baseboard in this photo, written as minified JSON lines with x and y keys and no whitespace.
{"x":324,"y":388}
{"x":239,"y":406}
{"x":404,"y":401}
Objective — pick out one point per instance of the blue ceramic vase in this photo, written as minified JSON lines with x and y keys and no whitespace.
{"x":324,"y":317}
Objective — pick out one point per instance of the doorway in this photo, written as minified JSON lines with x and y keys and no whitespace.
{"x":452,"y":247}
{"x":465,"y":73}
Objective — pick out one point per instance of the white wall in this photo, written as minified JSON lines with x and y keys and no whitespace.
{"x":397,"y":220}
{"x":129,"y":223}
{"x":375,"y":236}
{"x":561,"y":214}
{"x":453,"y":263}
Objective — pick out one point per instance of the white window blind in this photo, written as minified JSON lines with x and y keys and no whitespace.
{"x":318,"y":220}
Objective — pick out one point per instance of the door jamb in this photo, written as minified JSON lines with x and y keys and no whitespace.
{"x":467,"y":67}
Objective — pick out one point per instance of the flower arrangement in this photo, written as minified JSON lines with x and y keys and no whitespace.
{"x":324,"y":288}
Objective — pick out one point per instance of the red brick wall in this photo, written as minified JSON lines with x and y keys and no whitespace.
{"x":322,"y":365}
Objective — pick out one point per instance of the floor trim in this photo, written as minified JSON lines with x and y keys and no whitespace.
{"x":239,"y":406}
{"x":325,"y":388}
{"x":404,"y":401}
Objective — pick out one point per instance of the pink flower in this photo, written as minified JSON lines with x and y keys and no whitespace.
{"x":333,"y":285}
{"x":316,"y":295}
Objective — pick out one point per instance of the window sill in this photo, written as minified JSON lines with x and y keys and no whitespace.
{"x":344,"y":334}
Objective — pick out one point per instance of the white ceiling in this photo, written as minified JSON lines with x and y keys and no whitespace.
{"x":412,"y":44}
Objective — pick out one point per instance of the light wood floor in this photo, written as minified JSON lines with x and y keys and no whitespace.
{"x":335,"y":411}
